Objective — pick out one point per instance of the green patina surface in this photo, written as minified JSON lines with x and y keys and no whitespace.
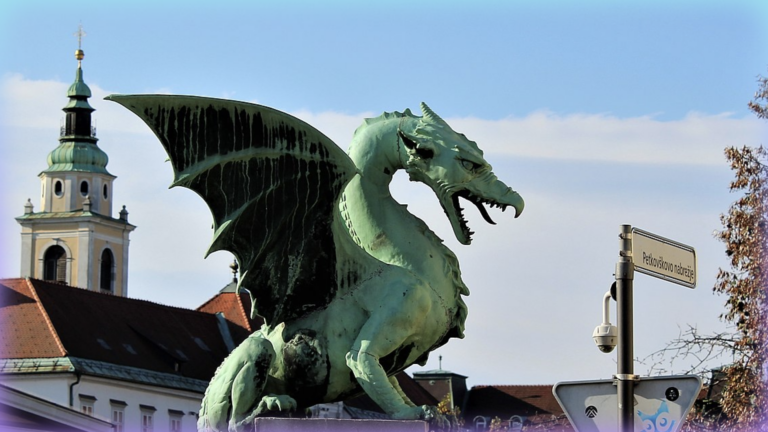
{"x":77,"y":156}
{"x":353,"y":288}
{"x":77,"y":149}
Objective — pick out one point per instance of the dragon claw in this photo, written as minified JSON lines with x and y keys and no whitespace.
{"x":275,"y":403}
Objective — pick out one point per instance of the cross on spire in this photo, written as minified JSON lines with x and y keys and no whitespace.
{"x":80,"y":33}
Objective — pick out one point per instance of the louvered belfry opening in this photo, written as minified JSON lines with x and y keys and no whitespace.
{"x":55,"y":264}
{"x":107,"y":274}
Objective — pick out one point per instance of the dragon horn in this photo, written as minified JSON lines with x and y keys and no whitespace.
{"x":430,"y":115}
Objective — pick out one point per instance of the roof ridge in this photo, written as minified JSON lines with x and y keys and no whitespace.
{"x":47,"y":318}
{"x":119,"y":298}
{"x":240,"y":306}
{"x":242,"y":311}
{"x":207,"y":301}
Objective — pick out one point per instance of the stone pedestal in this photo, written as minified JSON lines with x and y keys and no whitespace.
{"x":268,"y":424}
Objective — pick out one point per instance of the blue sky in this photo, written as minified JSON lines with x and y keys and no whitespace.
{"x":598,"y":113}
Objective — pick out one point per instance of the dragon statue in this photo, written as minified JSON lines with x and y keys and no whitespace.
{"x":352,"y":287}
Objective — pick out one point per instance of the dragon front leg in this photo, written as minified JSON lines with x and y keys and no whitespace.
{"x":235,"y":394}
{"x":384,"y":332}
{"x":399,"y":390}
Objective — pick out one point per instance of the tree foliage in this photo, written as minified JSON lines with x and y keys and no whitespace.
{"x":454,"y":414}
{"x":744,"y":234}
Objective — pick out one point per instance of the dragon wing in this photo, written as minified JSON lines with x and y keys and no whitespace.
{"x":272,"y":183}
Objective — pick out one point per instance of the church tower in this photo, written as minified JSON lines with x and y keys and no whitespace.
{"x":74,"y":239}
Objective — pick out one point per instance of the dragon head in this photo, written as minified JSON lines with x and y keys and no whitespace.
{"x":453,"y":166}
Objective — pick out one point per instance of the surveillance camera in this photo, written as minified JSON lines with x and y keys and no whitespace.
{"x":605,"y":336}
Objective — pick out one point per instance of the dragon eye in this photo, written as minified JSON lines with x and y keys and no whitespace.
{"x":468,"y":165}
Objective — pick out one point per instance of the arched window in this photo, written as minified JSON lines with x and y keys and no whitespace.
{"x":55,"y":264}
{"x":84,"y":188}
{"x":107,"y":277}
{"x":515,"y":423}
{"x":480,"y":423}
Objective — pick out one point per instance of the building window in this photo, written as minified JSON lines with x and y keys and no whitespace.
{"x":58,"y":188}
{"x":86,"y":404}
{"x":118,"y":417}
{"x":146,"y":422}
{"x":105,"y":192}
{"x":55,"y":264}
{"x":118,"y":414}
{"x":84,"y":188}
{"x":175,"y":420}
{"x":515,"y":423}
{"x":107,"y":277}
{"x":147,"y":417}
{"x":480,"y":423}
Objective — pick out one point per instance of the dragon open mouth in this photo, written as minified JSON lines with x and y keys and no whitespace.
{"x":479,"y":203}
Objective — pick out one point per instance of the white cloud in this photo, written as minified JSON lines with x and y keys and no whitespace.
{"x":32,"y":103}
{"x":697,"y":139}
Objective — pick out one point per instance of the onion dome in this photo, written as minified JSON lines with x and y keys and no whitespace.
{"x":77,"y":150}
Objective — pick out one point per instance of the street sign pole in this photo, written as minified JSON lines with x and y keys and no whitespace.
{"x":625,"y":371}
{"x":590,"y":406}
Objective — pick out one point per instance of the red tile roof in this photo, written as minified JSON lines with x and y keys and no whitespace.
{"x":26,"y":328}
{"x":235,"y":307}
{"x":539,"y":396}
{"x":535,"y":403}
{"x":44,"y":319}
{"x":507,"y":400}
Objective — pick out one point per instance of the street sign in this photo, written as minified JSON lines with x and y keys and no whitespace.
{"x":661,"y":403}
{"x":663,"y":258}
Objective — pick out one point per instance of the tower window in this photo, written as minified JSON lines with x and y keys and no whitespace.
{"x":55,"y":264}
{"x":84,"y":188}
{"x":58,"y":188}
{"x":105,"y":192}
{"x":107,"y":277}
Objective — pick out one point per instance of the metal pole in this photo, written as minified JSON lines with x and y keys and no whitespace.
{"x":625,"y":372}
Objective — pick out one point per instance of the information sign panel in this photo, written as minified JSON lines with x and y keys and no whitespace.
{"x":663,"y":258}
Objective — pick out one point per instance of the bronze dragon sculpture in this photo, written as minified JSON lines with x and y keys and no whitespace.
{"x":352,"y":287}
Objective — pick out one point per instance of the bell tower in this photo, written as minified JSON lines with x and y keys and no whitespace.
{"x":74,"y":239}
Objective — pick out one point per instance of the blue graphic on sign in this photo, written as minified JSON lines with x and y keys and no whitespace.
{"x":659,"y":422}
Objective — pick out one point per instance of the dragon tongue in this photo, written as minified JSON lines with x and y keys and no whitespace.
{"x":484,"y":212}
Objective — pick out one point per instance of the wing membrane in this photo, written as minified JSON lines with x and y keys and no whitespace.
{"x":272,"y":183}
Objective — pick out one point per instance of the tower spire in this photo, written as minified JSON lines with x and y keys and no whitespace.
{"x":73,"y":238}
{"x":78,"y":150}
{"x":79,"y":53}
